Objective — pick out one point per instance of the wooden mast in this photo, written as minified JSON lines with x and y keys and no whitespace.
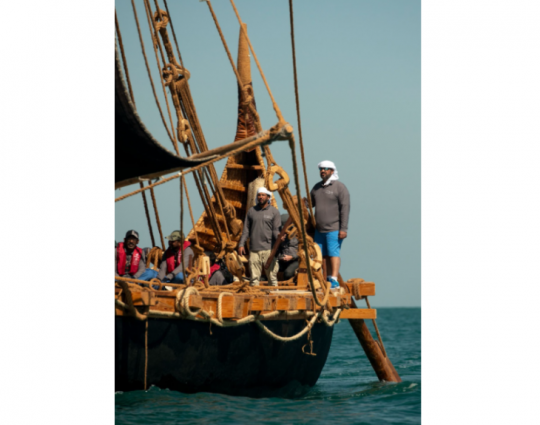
{"x":240,"y":169}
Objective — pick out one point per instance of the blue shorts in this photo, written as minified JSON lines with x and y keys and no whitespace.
{"x":329,"y":243}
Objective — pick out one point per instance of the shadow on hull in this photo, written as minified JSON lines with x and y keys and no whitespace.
{"x":243,"y":361}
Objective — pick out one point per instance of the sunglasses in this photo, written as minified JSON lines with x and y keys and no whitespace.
{"x":324,"y":169}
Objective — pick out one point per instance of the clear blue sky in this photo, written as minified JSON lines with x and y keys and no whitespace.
{"x":359,"y":80}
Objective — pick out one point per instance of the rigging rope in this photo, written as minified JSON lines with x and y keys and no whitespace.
{"x":254,"y":113}
{"x":190,"y":211}
{"x":156,"y":41}
{"x":174,"y":34}
{"x":274,"y":104}
{"x":157,"y":218}
{"x":123,"y":57}
{"x":182,"y":221}
{"x":145,"y":354}
{"x":185,"y":108}
{"x":377,"y":330}
{"x":147,"y":215}
{"x":148,"y":71}
{"x":303,"y":227}
{"x":298,"y":114}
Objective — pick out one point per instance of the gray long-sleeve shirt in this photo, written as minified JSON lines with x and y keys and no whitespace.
{"x":188,"y":253}
{"x":332,"y":206}
{"x":262,"y":227}
{"x":289,"y":247}
{"x":140,"y":270}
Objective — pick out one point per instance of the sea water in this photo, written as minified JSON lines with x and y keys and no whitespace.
{"x":347,"y":391}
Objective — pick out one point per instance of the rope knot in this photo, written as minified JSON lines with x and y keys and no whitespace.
{"x":197,"y":249}
{"x":161,"y":24}
{"x":247,"y":96}
{"x":183,"y":130}
{"x":282,"y":183}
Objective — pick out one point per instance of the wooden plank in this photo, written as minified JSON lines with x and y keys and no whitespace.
{"x":238,"y":307}
{"x":233,"y":187}
{"x":269,"y":303}
{"x":282,"y":304}
{"x":333,"y":301}
{"x":257,"y":304}
{"x":196,"y":301}
{"x":367,"y":289}
{"x":293,"y":302}
{"x":227,"y":306}
{"x":244,"y":167}
{"x":165,"y":304}
{"x":359,"y":313}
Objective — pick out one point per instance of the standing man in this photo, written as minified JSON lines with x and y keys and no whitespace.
{"x":262,"y":228}
{"x":172,"y":267}
{"x":129,"y":258}
{"x":332,"y":205}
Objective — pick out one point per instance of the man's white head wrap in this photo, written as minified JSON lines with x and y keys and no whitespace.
{"x":329,"y":164}
{"x":264,"y":190}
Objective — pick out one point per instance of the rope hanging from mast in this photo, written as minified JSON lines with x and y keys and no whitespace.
{"x":147,"y":215}
{"x":157,"y":218}
{"x":123,"y":57}
{"x":148,"y":71}
{"x":298,"y":113}
{"x":156,"y":40}
{"x":189,"y":131}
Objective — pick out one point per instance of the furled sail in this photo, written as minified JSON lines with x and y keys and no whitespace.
{"x":137,"y":153}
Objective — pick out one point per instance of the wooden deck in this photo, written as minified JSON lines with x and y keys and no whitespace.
{"x":238,"y":306}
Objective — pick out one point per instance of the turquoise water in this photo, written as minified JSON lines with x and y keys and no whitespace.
{"x":347,"y":391}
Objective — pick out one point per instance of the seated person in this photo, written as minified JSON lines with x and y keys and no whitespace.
{"x":149,"y":273}
{"x":216,"y":276}
{"x":288,"y":253}
{"x":171,"y":268}
{"x":130,"y":260}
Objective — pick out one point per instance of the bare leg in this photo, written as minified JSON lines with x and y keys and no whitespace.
{"x":335,"y":262}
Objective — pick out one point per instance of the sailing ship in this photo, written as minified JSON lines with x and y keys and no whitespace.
{"x":233,"y":339}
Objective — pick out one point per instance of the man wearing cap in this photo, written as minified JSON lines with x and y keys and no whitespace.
{"x":262,"y":228}
{"x":172,"y":267}
{"x":332,"y":205}
{"x":129,"y":258}
{"x":288,"y":253}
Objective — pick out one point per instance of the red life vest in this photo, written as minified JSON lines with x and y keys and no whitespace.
{"x":169,"y":257}
{"x":213,"y":269}
{"x":122,"y":257}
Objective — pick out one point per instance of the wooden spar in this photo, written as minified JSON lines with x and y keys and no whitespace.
{"x":284,"y":132}
{"x":382,"y":366}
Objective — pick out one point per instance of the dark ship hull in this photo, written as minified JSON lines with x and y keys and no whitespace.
{"x":243,"y":361}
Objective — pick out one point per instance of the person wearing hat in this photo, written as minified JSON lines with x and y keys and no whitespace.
{"x":262,"y":228}
{"x":288,"y":253}
{"x":129,"y":258}
{"x":332,"y":205}
{"x":173,"y":265}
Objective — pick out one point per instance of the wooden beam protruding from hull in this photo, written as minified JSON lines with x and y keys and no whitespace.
{"x":383,"y":367}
